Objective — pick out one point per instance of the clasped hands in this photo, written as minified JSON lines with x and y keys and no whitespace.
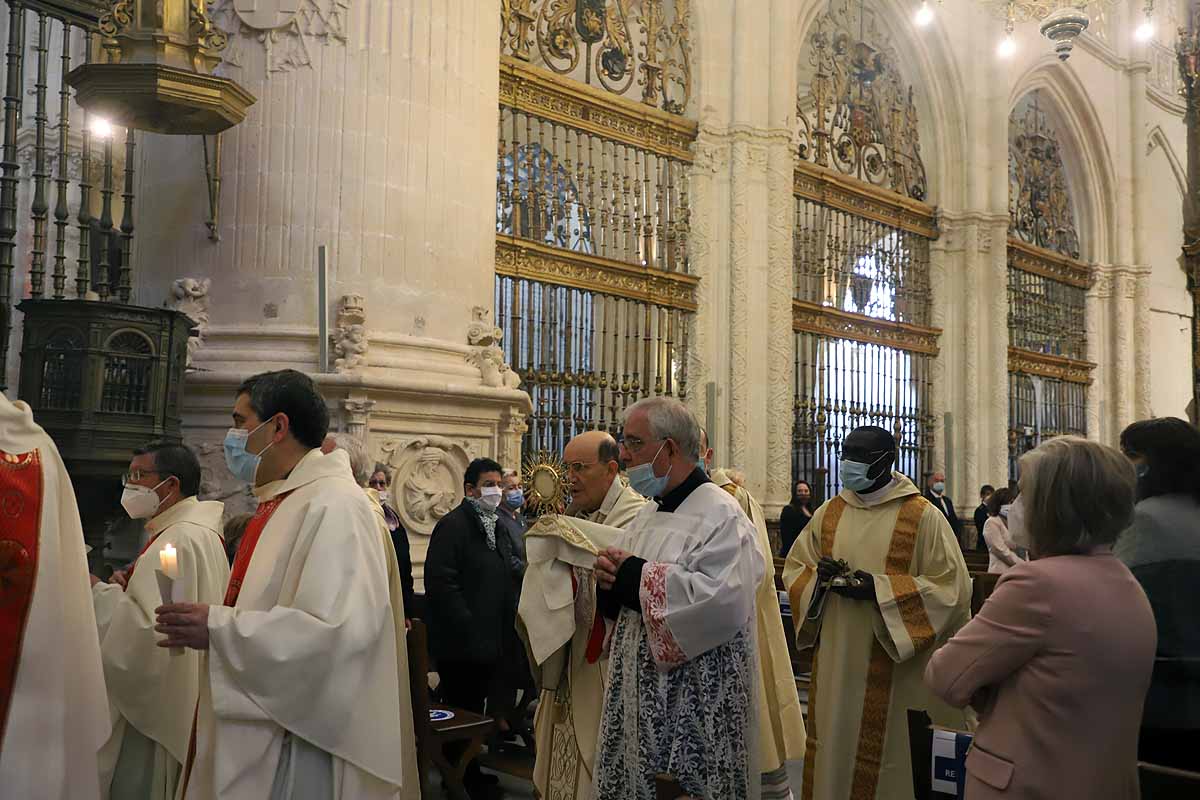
{"x":608,"y":562}
{"x":862,"y":587}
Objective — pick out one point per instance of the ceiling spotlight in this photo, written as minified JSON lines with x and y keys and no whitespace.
{"x":100,"y":127}
{"x":1007,"y":47}
{"x":924,"y":15}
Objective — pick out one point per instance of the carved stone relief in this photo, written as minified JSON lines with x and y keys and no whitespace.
{"x":190,"y":296}
{"x":357,"y":411}
{"x":486,"y":355}
{"x":350,"y":338}
{"x":286,"y":30}
{"x":428,"y":479}
{"x":216,"y":481}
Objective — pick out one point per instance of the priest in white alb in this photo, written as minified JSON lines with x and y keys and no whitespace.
{"x":568,"y":660}
{"x":53,"y":712}
{"x":876,"y":581}
{"x":681,"y":693}
{"x":151,"y":691}
{"x":781,"y":733}
{"x":300,"y":698}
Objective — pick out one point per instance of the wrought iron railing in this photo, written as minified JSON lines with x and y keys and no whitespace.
{"x":593,"y":290}
{"x":53,"y":151}
{"x":864,"y":350}
{"x":1047,"y":335}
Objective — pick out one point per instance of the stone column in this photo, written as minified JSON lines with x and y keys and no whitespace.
{"x":374,"y":134}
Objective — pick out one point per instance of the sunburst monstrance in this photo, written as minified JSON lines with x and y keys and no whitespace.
{"x":545,"y":480}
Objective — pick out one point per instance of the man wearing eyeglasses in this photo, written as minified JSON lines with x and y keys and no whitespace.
{"x":878,"y":576}
{"x":597,"y":492}
{"x":680,"y":695}
{"x":153,"y":693}
{"x":567,"y":721}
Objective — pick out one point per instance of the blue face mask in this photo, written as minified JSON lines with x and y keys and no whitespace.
{"x":242,"y":464}
{"x":514,"y":498}
{"x":644,"y":481}
{"x":703,"y":467}
{"x":854,"y":474}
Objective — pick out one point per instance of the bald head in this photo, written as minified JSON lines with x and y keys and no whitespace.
{"x":592,"y":466}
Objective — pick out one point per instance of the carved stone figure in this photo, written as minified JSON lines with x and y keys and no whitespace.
{"x":481,"y":332}
{"x":190,"y":296}
{"x":350,"y":341}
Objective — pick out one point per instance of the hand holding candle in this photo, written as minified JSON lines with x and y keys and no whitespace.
{"x":169,"y":585}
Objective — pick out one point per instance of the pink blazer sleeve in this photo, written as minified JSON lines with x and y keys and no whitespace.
{"x":1003,"y":637}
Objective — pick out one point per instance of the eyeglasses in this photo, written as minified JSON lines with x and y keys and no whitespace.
{"x":580,"y":466}
{"x":633,"y":443}
{"x":135,"y":475}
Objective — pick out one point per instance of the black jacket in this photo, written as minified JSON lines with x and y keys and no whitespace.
{"x":792,"y":520}
{"x":470,"y":592}
{"x":981,"y":516}
{"x":948,"y":511}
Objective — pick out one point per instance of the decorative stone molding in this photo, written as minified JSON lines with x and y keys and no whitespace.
{"x":350,"y":337}
{"x":780,"y":345}
{"x":508,"y":450}
{"x":428,"y":479}
{"x":357,"y":411}
{"x":287,"y":30}
{"x":190,"y":296}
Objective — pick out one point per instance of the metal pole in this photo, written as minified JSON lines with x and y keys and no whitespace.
{"x":323,"y":307}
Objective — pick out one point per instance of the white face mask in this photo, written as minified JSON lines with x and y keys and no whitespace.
{"x":489,"y":497}
{"x":140,"y":502}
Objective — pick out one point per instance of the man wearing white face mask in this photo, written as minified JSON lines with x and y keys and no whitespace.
{"x":471,"y":600}
{"x":299,"y":697}
{"x":152,"y":694}
{"x":877,"y":582}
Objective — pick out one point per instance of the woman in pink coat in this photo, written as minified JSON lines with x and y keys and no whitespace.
{"x":1058,"y":660}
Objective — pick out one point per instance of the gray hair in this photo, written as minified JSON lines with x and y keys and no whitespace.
{"x":670,"y":419}
{"x":361,"y":463}
{"x":1077,"y":494}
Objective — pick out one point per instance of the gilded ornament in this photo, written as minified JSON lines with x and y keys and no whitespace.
{"x":544,"y":477}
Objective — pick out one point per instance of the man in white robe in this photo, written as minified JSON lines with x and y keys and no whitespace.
{"x":362,"y":468}
{"x":901,"y":589}
{"x":681,"y":694}
{"x":153,"y":693}
{"x":53,"y":713}
{"x":300,"y":698}
{"x":781,"y":732}
{"x":571,"y":677}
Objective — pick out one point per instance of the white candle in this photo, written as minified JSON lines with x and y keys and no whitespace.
{"x":168,"y":561}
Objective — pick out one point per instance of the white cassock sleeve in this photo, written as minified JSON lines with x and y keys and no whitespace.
{"x":698,"y":586}
{"x":304,"y":665}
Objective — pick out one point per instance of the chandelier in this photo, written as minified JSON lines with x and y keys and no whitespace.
{"x":1061,"y":21}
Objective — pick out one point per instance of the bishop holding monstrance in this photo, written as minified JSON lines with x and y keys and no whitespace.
{"x":53,"y":713}
{"x":679,"y":581}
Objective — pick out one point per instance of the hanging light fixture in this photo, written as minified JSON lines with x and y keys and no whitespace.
{"x":1060,"y":21}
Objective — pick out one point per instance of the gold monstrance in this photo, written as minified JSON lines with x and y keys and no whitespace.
{"x":545,"y":479}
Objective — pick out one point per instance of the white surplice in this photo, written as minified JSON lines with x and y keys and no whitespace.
{"x":58,"y":715}
{"x":301,"y":695}
{"x":151,"y":691}
{"x":681,"y":693}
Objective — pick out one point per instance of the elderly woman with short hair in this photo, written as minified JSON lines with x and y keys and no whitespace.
{"x":1058,"y":660}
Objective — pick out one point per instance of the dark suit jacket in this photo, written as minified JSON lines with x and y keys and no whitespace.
{"x":470,"y":591}
{"x":947,"y":510}
{"x":981,"y":516}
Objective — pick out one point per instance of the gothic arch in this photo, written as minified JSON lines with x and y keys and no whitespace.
{"x":1087,"y":154}
{"x":930,"y":66}
{"x":1158,"y":138}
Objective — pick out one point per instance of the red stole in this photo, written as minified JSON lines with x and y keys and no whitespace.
{"x":20,"y":525}
{"x":254,"y":529}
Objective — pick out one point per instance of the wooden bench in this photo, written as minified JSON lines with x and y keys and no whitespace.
{"x":465,"y":726}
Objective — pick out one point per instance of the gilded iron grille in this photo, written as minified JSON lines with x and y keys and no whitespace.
{"x":62,"y":371}
{"x":1045,"y":315}
{"x":593,"y":290}
{"x":863,"y":351}
{"x":128,"y":372}
{"x":1039,"y":409}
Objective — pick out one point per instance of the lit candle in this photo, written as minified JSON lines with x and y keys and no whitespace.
{"x":168,"y":561}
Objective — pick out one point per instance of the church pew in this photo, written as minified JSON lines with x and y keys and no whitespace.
{"x":465,"y":726}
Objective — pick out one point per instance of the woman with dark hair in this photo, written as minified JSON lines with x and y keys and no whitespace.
{"x":1002,"y":550}
{"x":1162,"y":548}
{"x":795,"y":516}
{"x":1058,"y":660}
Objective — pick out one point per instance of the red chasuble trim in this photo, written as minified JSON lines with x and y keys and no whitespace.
{"x":20,"y":526}
{"x":254,"y":529}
